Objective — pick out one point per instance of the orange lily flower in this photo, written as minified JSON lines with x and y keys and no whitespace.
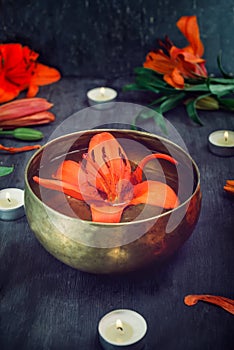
{"x":19,"y":70}
{"x":104,"y":180}
{"x":176,"y":64}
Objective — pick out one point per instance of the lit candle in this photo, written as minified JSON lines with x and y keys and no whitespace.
{"x":221,"y":142}
{"x":122,"y":329}
{"x":101,"y":97}
{"x":11,"y":203}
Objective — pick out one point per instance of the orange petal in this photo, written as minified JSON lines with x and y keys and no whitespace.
{"x":8,"y":91}
{"x":107,"y":163}
{"x":155,"y":193}
{"x":17,"y":64}
{"x":60,"y":186}
{"x":189,"y":27}
{"x":8,"y":95}
{"x":159,"y":62}
{"x":32,"y":90}
{"x":175,"y":79}
{"x":136,"y":176}
{"x":106,"y":213}
{"x":44,"y":75}
{"x":226,"y":303}
{"x":68,"y":172}
{"x":90,"y":194}
{"x":187,"y":56}
{"x":12,"y":55}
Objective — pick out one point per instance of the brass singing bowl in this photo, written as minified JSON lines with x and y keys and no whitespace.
{"x":151,"y":236}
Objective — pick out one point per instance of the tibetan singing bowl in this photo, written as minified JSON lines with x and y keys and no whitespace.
{"x":146,"y":233}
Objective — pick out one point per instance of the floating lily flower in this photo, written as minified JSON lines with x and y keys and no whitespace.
{"x":105,"y":180}
{"x":19,"y":70}
{"x":178,"y":64}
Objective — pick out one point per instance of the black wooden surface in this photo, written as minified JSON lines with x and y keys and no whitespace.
{"x":106,"y":38}
{"x":48,"y":305}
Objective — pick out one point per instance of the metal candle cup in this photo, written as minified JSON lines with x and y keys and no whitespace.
{"x":221,"y":143}
{"x":101,"y":97}
{"x":122,"y":329}
{"x":11,"y":204}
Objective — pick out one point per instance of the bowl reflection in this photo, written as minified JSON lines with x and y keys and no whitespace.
{"x":146,"y":234}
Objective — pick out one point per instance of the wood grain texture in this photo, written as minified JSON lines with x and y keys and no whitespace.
{"x":45,"y":304}
{"x":105,"y":38}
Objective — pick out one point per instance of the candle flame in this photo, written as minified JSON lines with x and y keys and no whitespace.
{"x":119,"y":325}
{"x":225,"y":136}
{"x":102,"y":91}
{"x":8,"y":197}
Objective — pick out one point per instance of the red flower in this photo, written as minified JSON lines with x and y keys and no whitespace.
{"x":19,"y":70}
{"x":178,"y":64}
{"x":104,"y":179}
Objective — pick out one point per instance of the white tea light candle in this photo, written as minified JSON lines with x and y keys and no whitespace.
{"x":100,"y":96}
{"x":11,"y":203}
{"x":221,"y":142}
{"x":122,"y":329}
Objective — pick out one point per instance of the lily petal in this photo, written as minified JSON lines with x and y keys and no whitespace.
{"x":32,"y":90}
{"x":155,"y":193}
{"x":44,"y":75}
{"x":175,"y":78}
{"x":136,"y":176}
{"x":106,"y":213}
{"x":107,"y":163}
{"x":68,"y":172}
{"x":159,"y":62}
{"x":90,"y":193}
{"x":189,"y":27}
{"x":8,"y":92}
{"x":60,"y":186}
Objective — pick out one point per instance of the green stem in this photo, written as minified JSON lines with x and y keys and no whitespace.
{"x":6,"y":132}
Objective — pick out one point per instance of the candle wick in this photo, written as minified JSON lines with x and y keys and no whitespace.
{"x":120,"y":328}
{"x":225,"y":136}
{"x":9,"y":200}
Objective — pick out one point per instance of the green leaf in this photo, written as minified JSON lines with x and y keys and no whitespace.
{"x":227,"y":103}
{"x":147,"y":85}
{"x":160,"y":121}
{"x":133,"y":87}
{"x":150,"y":79}
{"x":171,"y":102}
{"x":149,"y":72}
{"x":222,"y":80}
{"x":221,"y":90}
{"x":155,"y":115}
{"x":197,"y":87}
{"x":191,"y":109}
{"x":154,"y":85}
{"x":224,"y":73}
{"x":6,"y":170}
{"x":158,"y":101}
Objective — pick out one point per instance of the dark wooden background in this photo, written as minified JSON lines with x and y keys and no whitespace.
{"x":46,"y":305}
{"x":108,"y":38}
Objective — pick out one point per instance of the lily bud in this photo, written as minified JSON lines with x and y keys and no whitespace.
{"x":25,"y":111}
{"x":207,"y":103}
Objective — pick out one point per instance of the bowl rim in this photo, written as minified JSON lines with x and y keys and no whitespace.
{"x":168,"y":212}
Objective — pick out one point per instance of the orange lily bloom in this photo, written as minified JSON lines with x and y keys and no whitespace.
{"x":104,"y":180}
{"x":178,"y":64}
{"x":19,"y":70}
